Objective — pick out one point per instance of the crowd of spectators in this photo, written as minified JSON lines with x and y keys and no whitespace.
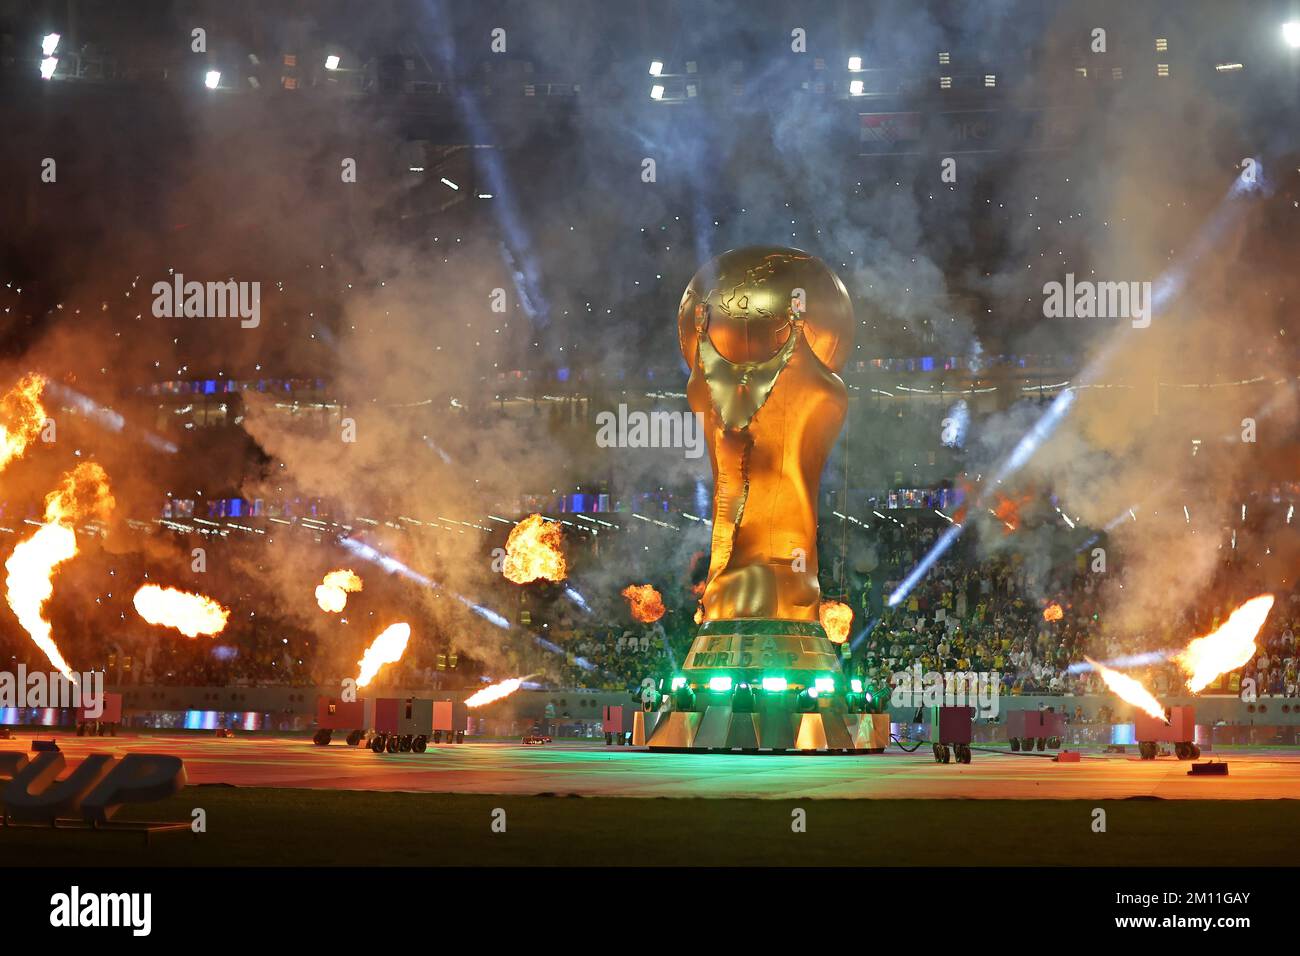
{"x":973,"y":611}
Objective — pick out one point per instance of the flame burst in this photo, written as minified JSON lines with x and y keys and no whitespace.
{"x":1007,"y":510}
{"x":387,"y":648}
{"x":494,"y":692}
{"x":83,"y":492}
{"x":23,"y":417}
{"x":1129,"y":689}
{"x":1053,"y":612}
{"x":191,"y":614}
{"x":533,"y":552}
{"x":1228,"y":647}
{"x":332,"y":592}
{"x":646,"y":604}
{"x":699,"y":614}
{"x":836,"y":618}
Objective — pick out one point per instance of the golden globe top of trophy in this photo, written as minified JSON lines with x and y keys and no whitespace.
{"x":765,"y":331}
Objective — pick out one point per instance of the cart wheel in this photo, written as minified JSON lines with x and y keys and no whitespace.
{"x":420,"y":744}
{"x":1194,"y":751}
{"x":609,"y":740}
{"x":377,"y":743}
{"x":1042,"y":743}
{"x":437,"y":736}
{"x":322,"y":737}
{"x":392,"y":743}
{"x":1015,"y":744}
{"x":354,"y":738}
{"x":404,"y":744}
{"x":965,"y":754}
{"x":938,"y":752}
{"x":1053,"y":743}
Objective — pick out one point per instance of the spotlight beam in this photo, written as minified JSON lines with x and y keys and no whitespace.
{"x":1165,"y":290}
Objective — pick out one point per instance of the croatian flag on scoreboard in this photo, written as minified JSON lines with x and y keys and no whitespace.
{"x":881,"y":132}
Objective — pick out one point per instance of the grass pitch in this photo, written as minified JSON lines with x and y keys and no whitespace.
{"x":279,"y":827}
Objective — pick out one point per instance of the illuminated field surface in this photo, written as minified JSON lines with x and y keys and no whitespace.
{"x":282,"y":801}
{"x":593,"y":770}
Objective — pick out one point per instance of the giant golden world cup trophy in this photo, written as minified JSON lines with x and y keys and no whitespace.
{"x":765,"y":331}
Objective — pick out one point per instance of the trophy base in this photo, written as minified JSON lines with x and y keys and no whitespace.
{"x":757,"y":685}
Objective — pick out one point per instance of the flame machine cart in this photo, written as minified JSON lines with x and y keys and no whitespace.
{"x":355,"y":716}
{"x":950,"y":730}
{"x":107,"y":721}
{"x":408,"y":725}
{"x":1027,"y":728}
{"x":1180,"y":730}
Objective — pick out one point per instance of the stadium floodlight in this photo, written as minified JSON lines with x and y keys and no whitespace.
{"x":49,"y":43}
{"x":656,"y":67}
{"x":855,"y":87}
{"x":211,"y":79}
{"x":331,"y":62}
{"x":656,"y":92}
{"x":855,"y":63}
{"x":47,"y":66}
{"x":1291,"y":34}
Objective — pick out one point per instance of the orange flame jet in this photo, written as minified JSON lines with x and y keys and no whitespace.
{"x":1228,"y":647}
{"x":23,"y":417}
{"x":495,"y":692}
{"x":533,"y":552}
{"x":837,"y":619}
{"x":191,"y":614}
{"x":83,"y":492}
{"x":332,"y":592}
{"x":645,"y":603}
{"x":1129,"y":689}
{"x":387,"y":648}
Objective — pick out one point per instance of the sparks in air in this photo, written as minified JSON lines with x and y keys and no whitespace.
{"x":387,"y":648}
{"x":534,"y":552}
{"x":494,"y":692}
{"x":191,"y":614}
{"x":332,"y":593}
{"x":1228,"y":647}
{"x":83,"y":492}
{"x":645,"y":602}
{"x":1129,"y":689}
{"x":837,"y":619}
